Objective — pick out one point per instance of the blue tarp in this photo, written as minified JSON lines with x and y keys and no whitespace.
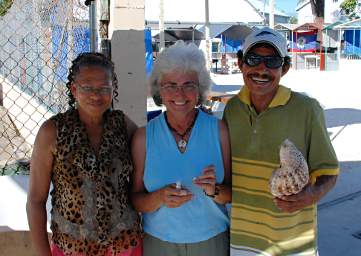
{"x":352,"y":42}
{"x":60,"y":37}
{"x":148,"y":51}
{"x":230,"y":46}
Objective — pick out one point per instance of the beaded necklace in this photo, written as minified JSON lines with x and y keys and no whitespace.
{"x":182,"y":143}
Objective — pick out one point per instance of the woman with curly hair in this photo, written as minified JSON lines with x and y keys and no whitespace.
{"x":84,"y":153}
{"x":182,"y":179}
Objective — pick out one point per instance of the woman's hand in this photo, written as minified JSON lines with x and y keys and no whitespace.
{"x":173,"y":197}
{"x":207,"y":181}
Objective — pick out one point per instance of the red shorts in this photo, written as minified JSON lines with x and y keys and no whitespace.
{"x":134,"y":251}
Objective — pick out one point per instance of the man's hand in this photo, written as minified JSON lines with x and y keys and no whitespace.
{"x":310,"y":195}
{"x":297,"y":202}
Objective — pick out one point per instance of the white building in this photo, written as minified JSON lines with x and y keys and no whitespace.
{"x":304,"y":11}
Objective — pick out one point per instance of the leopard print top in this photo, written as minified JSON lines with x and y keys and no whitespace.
{"x":91,"y":212}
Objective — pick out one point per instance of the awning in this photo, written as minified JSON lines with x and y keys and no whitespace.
{"x":354,"y":24}
{"x":308,"y":27}
{"x":236,"y":32}
{"x":185,"y":34}
{"x":286,"y":26}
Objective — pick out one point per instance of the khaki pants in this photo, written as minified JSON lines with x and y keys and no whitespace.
{"x":215,"y":246}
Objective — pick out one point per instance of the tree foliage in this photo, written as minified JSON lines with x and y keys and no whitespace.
{"x":294,"y":20}
{"x":4,"y":6}
{"x":348,"y":7}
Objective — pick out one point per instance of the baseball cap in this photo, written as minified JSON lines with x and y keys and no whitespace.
{"x":268,"y":36}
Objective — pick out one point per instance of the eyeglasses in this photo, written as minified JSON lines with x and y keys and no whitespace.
{"x":86,"y":89}
{"x":272,"y":62}
{"x":173,"y":88}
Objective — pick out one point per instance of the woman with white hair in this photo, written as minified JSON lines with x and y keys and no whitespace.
{"x":182,"y":177}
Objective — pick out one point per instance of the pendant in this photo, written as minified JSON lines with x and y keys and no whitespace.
{"x":182,"y":144}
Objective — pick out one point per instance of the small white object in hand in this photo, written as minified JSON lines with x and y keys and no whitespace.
{"x":178,"y":185}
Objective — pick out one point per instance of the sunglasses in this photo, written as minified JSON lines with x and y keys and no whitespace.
{"x":272,"y":62}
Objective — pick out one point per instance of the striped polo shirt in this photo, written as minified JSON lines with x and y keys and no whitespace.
{"x":258,"y":227}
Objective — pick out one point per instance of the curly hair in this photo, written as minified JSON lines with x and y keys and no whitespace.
{"x":180,"y":57}
{"x":90,"y":59}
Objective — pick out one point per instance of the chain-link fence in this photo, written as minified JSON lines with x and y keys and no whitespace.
{"x":38,"y":40}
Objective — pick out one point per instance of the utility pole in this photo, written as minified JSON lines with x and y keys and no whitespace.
{"x":93,"y":24}
{"x":208,"y":37}
{"x":161,"y":26}
{"x":264,"y":13}
{"x":271,"y":14}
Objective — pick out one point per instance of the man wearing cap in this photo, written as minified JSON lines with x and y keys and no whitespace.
{"x":260,"y":118}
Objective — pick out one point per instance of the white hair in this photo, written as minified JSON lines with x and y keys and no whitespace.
{"x":183,"y":58}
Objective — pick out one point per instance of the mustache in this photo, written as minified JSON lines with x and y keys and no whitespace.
{"x":262,"y":75}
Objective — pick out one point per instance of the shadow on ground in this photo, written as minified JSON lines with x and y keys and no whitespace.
{"x":339,"y":214}
{"x":342,"y":116}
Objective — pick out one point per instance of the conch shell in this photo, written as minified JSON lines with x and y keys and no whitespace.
{"x":293,"y":174}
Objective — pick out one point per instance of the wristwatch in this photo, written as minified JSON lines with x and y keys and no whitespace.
{"x":216,"y":192}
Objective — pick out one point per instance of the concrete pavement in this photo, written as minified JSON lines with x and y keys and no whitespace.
{"x":339,"y":212}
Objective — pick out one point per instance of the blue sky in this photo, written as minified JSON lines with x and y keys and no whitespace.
{"x":289,"y":6}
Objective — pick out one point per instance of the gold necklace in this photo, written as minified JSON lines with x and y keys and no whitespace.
{"x":182,"y":143}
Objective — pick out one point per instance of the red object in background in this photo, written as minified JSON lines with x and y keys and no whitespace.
{"x":322,"y":61}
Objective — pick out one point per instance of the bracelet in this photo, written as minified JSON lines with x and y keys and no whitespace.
{"x":216,"y":192}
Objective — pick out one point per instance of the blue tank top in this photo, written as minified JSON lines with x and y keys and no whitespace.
{"x":201,"y":218}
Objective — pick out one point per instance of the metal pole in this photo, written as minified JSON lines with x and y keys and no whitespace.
{"x":328,"y":43}
{"x":292,"y":42}
{"x":104,"y":18}
{"x":1,"y":95}
{"x":192,"y":34}
{"x":353,"y":43}
{"x":292,"y":49}
{"x":93,"y":26}
{"x":359,"y":42}
{"x":297,"y":52}
{"x":271,"y":14}
{"x":161,"y":26}
{"x":339,"y":47}
{"x":208,"y":38}
{"x":264,"y":13}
